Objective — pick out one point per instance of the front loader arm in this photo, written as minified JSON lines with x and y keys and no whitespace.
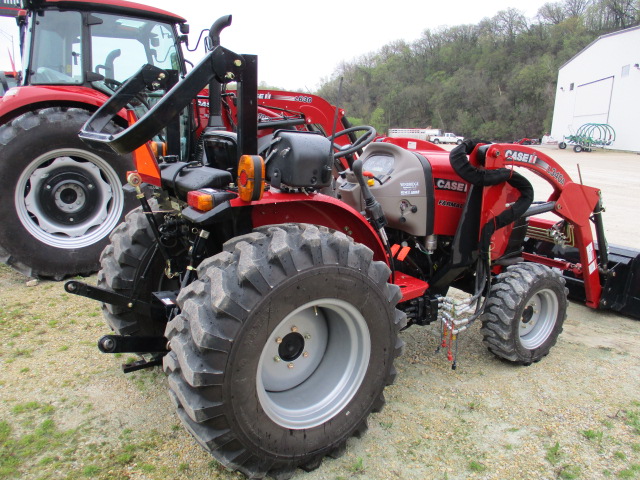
{"x":223,"y":64}
{"x":577,"y":204}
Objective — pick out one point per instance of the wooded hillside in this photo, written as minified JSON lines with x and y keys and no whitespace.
{"x":495,"y":80}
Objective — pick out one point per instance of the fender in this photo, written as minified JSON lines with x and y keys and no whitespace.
{"x":318,"y":209}
{"x":22,"y":99}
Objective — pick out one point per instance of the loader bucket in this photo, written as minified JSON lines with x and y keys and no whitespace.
{"x":620,"y":286}
{"x":621,"y":291}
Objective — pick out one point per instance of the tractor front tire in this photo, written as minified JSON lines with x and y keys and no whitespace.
{"x":525,"y":312}
{"x":59,"y":198}
{"x":577,"y":148}
{"x":562,"y":145}
{"x":133,"y":266}
{"x":283,"y":348}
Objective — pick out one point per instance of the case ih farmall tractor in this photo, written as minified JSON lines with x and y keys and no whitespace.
{"x":60,"y":198}
{"x":272,"y":288}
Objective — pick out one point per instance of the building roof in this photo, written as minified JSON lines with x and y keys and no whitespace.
{"x":601,"y":37}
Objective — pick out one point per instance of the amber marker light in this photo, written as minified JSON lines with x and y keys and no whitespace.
{"x":201,"y":201}
{"x":251,"y":177}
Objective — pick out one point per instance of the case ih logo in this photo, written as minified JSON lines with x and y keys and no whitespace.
{"x":453,"y":185}
{"x":522,"y":157}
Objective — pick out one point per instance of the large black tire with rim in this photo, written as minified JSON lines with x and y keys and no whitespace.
{"x":59,"y":199}
{"x":132,"y":265}
{"x":283,"y":348}
{"x":525,"y":312}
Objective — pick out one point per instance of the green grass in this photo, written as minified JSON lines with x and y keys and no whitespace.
{"x":554,"y":453}
{"x":569,"y":472}
{"x":632,"y":418}
{"x":32,"y":442}
{"x":630,"y":473}
{"x":18,"y":449}
{"x":592,"y":435}
{"x":620,"y":455}
{"x":357,"y":466}
{"x":91,"y":470}
{"x":475,"y":466}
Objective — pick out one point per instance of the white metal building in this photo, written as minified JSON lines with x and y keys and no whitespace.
{"x":601,"y":84}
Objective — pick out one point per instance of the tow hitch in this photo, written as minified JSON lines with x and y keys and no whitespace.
{"x":156,"y":346}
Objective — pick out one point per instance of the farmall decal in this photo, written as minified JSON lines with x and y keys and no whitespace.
{"x":533,"y":159}
{"x":447,"y":203}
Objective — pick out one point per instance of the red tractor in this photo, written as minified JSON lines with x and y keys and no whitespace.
{"x":59,"y":198}
{"x":271,"y":288}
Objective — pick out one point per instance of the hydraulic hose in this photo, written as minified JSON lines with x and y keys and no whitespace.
{"x":483,"y":178}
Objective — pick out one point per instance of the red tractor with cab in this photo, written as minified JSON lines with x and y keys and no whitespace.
{"x":271,"y":283}
{"x":60,"y":198}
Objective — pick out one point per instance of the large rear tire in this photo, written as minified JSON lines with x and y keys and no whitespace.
{"x":525,"y":312}
{"x":132,"y":265}
{"x":283,"y":348}
{"x":59,"y":199}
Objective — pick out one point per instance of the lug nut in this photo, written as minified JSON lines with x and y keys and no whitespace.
{"x":294,"y":329}
{"x":305,"y":354}
{"x":278,"y":340}
{"x":290,"y":365}
{"x":276,"y":358}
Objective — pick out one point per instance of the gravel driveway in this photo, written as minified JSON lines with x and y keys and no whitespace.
{"x":67,"y":411}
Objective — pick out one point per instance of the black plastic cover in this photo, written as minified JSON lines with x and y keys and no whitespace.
{"x":300,"y":160}
{"x":221,"y":149}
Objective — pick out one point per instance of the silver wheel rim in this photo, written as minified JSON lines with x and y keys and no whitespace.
{"x":92,"y":193}
{"x":313,"y":363}
{"x":538,"y":319}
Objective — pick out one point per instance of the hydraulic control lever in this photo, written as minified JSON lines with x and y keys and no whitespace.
{"x":371,"y":205}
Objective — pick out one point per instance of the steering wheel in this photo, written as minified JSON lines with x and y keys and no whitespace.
{"x":359,"y":144}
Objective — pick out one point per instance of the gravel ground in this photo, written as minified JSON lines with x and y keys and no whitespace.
{"x":67,"y":411}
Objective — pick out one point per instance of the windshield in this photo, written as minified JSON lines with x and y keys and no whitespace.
{"x":119,"y":46}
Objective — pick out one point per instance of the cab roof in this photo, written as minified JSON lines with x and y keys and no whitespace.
{"x":109,"y":6}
